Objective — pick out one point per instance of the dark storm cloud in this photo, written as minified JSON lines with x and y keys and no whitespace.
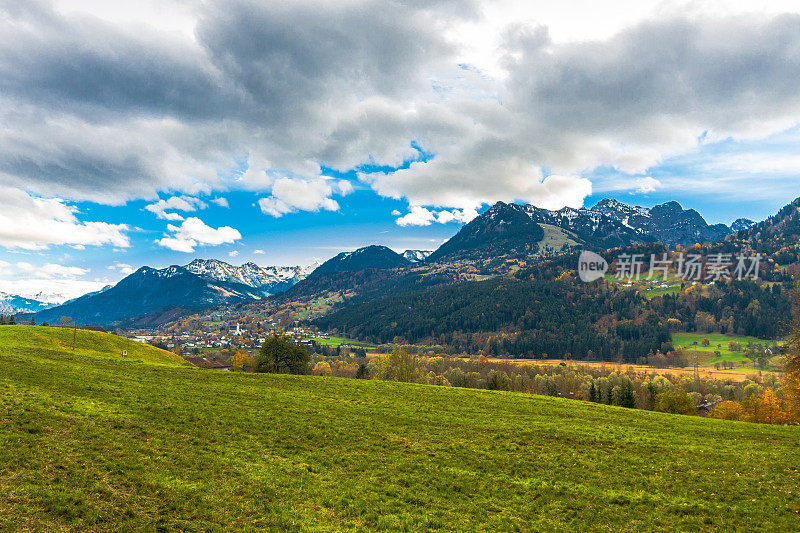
{"x":91,"y":110}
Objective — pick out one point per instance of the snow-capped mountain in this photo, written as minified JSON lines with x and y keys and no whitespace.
{"x":513,"y":229}
{"x":741,"y":223}
{"x":271,"y":278}
{"x":669,"y":223}
{"x":182,"y":289}
{"x":11,"y":304}
{"x":416,"y":256}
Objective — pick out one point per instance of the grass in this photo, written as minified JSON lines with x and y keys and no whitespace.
{"x":36,"y":339}
{"x":333,"y":342}
{"x":719,"y":343}
{"x":93,"y":441}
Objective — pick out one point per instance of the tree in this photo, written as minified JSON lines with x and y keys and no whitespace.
{"x":769,"y":409}
{"x":728,"y":411}
{"x":362,"y":372}
{"x":321,"y":369}
{"x":399,"y":366}
{"x":242,"y":362}
{"x":791,"y":379}
{"x":676,"y":401}
{"x":280,"y":356}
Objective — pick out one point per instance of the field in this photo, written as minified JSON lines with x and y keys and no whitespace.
{"x":91,"y":440}
{"x":334,"y":341}
{"x":719,"y":343}
{"x":650,"y":288}
{"x":707,"y":372}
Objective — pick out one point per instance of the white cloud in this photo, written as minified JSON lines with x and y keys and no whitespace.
{"x":50,"y":282}
{"x":122,"y":268}
{"x":34,"y":223}
{"x":178,"y":203}
{"x":396,"y":213}
{"x":495,"y":92}
{"x":178,"y":245}
{"x":646,"y":185}
{"x":344,"y":187}
{"x":50,"y":270}
{"x":420,"y":216}
{"x":55,"y":290}
{"x":233,"y":253}
{"x":222,"y":202}
{"x":293,"y":194}
{"x":194,"y":232}
{"x":259,"y":252}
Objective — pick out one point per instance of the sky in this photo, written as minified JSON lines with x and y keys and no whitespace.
{"x":153,"y":132}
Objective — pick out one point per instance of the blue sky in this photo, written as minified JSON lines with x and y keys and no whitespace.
{"x":151,"y":132}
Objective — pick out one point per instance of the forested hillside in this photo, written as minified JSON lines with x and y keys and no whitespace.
{"x":563,"y":317}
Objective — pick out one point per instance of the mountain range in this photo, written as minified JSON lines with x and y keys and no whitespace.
{"x":503,"y":231}
{"x":522,"y":230}
{"x":201,"y":284}
{"x":11,"y":304}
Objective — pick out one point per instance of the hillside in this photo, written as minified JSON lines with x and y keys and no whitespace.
{"x":94,"y":441}
{"x":35,"y":340}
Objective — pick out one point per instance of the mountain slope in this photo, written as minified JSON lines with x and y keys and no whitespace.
{"x":379,"y":257}
{"x":152,"y":296}
{"x":778,"y":235}
{"x":505,"y":229}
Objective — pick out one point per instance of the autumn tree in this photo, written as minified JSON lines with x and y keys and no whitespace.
{"x":728,"y":410}
{"x":791,"y":379}
{"x":398,"y":366}
{"x":676,"y":401}
{"x":242,"y":362}
{"x":769,"y":410}
{"x":322,"y":369}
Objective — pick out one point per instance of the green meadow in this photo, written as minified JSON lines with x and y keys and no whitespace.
{"x":90,"y":440}
{"x":719,"y":343}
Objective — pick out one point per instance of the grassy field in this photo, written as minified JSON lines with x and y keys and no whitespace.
{"x":650,"y":288}
{"x":719,"y":343}
{"x":334,"y":341}
{"x":89,"y":440}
